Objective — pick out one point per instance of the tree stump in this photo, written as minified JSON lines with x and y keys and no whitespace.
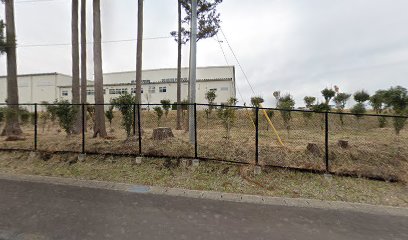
{"x":343,"y":143}
{"x":162,"y":133}
{"x":314,"y":149}
{"x":13,"y":138}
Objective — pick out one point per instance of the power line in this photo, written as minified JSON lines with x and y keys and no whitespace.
{"x":111,"y":41}
{"x":34,"y":1}
{"x":239,"y":64}
{"x":226,"y":61}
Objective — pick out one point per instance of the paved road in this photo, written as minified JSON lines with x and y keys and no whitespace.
{"x":39,"y":211}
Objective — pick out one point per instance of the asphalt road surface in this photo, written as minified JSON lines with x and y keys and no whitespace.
{"x":39,"y":211}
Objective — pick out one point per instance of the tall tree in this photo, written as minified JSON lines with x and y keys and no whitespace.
{"x":139,"y":51}
{"x":208,"y":26}
{"x":84,"y":81}
{"x":12,"y":127}
{"x":2,"y":37}
{"x":75,"y":65}
{"x":99,"y":127}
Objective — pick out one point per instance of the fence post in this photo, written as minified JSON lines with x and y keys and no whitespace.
{"x":83,"y":128}
{"x":195,"y":132}
{"x":326,"y":139}
{"x":35,"y":126}
{"x":256,"y":136}
{"x":139,"y":129}
{"x":134,"y":119}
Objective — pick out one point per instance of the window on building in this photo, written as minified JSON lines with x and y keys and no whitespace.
{"x":118,"y":91}
{"x":162,"y":89}
{"x":213,"y":89}
{"x":152,"y":89}
{"x":224,"y":89}
{"x":64,"y":93}
{"x":134,"y":90}
{"x":90,"y":92}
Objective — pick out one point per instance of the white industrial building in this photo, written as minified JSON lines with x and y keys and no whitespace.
{"x":158,"y":84}
{"x":35,"y":88}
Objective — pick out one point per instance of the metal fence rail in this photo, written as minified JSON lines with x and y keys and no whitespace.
{"x":335,"y":142}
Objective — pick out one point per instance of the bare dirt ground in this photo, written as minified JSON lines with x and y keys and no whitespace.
{"x":371,"y":151}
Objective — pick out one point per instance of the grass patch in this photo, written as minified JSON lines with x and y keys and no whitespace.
{"x":209,"y":176}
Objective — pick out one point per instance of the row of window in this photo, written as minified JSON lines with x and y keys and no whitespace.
{"x":143,"y":81}
{"x":119,"y":91}
{"x":171,"y":80}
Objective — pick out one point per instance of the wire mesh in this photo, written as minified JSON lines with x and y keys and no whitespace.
{"x":160,"y":136}
{"x":302,"y":139}
{"x":119,"y":121}
{"x":16,"y":118}
{"x":54,"y":130}
{"x":225,"y":133}
{"x":368,"y":146}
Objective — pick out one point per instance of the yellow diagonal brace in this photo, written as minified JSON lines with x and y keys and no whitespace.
{"x":273,"y":127}
{"x":250,"y":118}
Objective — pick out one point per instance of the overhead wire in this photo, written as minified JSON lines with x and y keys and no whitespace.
{"x":109,"y":41}
{"x":246,"y":78}
{"x":236,"y":87}
{"x":226,"y":61}
{"x":236,"y":59}
{"x":39,"y":1}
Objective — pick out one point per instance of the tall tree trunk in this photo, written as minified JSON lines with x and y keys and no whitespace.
{"x":139,"y":51}
{"x":75,"y":65}
{"x":12,"y":127}
{"x":179,"y":107}
{"x":84,"y":74}
{"x":99,"y":127}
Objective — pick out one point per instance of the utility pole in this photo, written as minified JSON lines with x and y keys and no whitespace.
{"x":193,"y":66}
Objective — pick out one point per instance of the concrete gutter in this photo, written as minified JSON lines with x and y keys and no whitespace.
{"x":232,"y":197}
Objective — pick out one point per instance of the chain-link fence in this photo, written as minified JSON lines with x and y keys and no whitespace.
{"x":367,"y":144}
{"x":23,"y":119}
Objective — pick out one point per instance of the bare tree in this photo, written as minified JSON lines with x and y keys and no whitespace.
{"x":75,"y":65}
{"x":84,"y":81}
{"x":12,"y":127}
{"x":99,"y":126}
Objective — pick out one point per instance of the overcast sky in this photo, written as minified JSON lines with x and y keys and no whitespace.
{"x":295,"y":46}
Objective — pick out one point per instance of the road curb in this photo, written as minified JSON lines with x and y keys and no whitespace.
{"x":231,"y":197}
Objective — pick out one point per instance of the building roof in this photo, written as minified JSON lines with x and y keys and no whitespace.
{"x":150,"y":83}
{"x":161,"y":69}
{"x":38,"y":74}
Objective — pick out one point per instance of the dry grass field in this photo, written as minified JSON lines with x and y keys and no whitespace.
{"x":210,"y":176}
{"x":372,"y":151}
